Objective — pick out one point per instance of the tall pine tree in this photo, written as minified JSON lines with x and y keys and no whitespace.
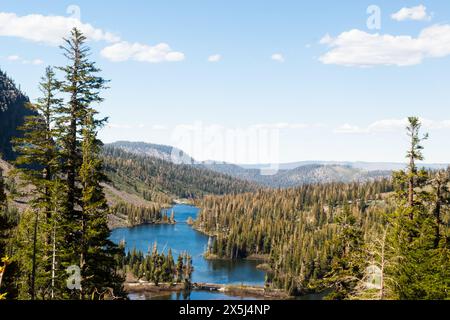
{"x":85,"y":215}
{"x":420,"y":264}
{"x":37,"y":165}
{"x":99,"y":268}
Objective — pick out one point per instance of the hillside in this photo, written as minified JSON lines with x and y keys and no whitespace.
{"x":289,"y":175}
{"x":163,"y":152}
{"x":366,"y":166}
{"x":123,"y":205}
{"x":155,"y":179}
{"x":12,"y":113}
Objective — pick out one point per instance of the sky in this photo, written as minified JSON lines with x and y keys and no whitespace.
{"x":253,"y":81}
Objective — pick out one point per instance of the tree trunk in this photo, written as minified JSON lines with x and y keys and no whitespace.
{"x":33,"y":270}
{"x":53,"y":262}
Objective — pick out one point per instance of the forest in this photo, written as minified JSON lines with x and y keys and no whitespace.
{"x":158,"y":268}
{"x":387,"y":239}
{"x":151,"y":177}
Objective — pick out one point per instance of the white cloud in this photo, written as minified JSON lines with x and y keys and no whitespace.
{"x":359,"y":48}
{"x":37,"y":62}
{"x":159,"y":127}
{"x":277,"y":57}
{"x":52,"y":29}
{"x":124,"y":51}
{"x":348,"y":128}
{"x":391,"y":125}
{"x":286,"y":125}
{"x":326,"y":39}
{"x":418,"y":13}
{"x":48,"y":29}
{"x":16,"y":58}
{"x":13,"y":58}
{"x":215,"y":58}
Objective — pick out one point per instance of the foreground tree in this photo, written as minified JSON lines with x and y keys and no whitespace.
{"x":60,"y":165}
{"x":37,"y":165}
{"x":420,"y":254}
{"x":99,"y":268}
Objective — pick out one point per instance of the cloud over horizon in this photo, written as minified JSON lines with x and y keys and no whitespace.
{"x":362,"y":49}
{"x":391,"y":125}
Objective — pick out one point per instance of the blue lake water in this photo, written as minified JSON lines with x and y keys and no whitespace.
{"x":182,"y":237}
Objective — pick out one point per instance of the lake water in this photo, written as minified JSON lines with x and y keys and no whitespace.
{"x":182,"y":237}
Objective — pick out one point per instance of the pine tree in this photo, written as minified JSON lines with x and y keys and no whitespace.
{"x":99,"y":268}
{"x":348,"y":264}
{"x":414,"y":154}
{"x":179,"y":269}
{"x":85,"y":216}
{"x":82,"y":86}
{"x":37,"y":165}
{"x":420,"y":253}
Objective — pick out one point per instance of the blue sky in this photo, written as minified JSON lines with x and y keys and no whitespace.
{"x":338,"y":97}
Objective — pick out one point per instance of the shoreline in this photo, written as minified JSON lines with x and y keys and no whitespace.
{"x":126,"y":225}
{"x":164,"y":289}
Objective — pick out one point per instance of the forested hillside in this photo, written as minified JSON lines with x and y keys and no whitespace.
{"x":289,"y":175}
{"x":304,"y":174}
{"x":294,"y":228}
{"x":156,"y":179}
{"x":12,"y":114}
{"x":162,"y":152}
{"x":387,"y":239}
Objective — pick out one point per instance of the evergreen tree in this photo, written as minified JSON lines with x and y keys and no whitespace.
{"x":179,"y":269}
{"x":420,"y":251}
{"x":82,"y":86}
{"x":99,"y":268}
{"x":414,"y":154}
{"x":349,"y":263}
{"x":85,"y":216}
{"x":37,"y":165}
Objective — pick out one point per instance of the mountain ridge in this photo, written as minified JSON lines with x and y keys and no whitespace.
{"x":288,"y":174}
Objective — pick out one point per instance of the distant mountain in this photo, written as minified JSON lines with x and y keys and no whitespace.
{"x":305,"y":174}
{"x":288,"y":175}
{"x":157,"y":180}
{"x":12,"y":113}
{"x":367,"y":166}
{"x":166,"y":153}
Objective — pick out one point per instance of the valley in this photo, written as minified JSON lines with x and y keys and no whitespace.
{"x":136,"y":220}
